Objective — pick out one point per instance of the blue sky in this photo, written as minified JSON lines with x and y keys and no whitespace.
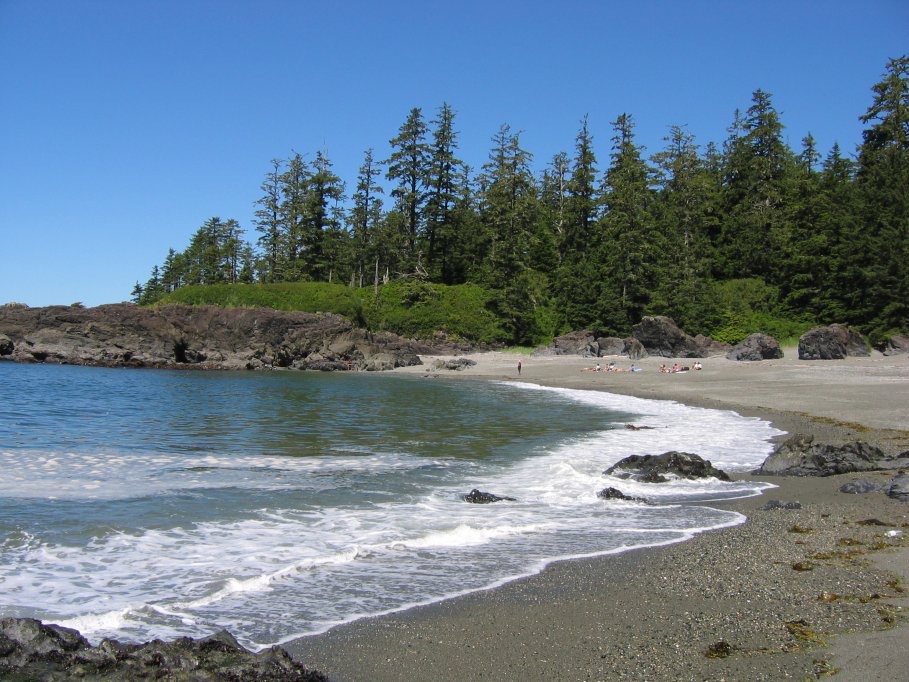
{"x":126,"y":124}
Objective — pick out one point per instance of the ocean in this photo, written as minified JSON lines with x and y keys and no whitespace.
{"x":140,"y":504}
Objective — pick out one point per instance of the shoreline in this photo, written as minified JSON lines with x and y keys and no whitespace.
{"x":651,"y":614}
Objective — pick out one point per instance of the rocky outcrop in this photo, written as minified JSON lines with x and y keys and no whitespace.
{"x":454,"y":364}
{"x":585,"y":345}
{"x":31,"y":650}
{"x":711,"y":346}
{"x":833,"y":342}
{"x":756,"y":347}
{"x":656,"y":468}
{"x":203,"y":337}
{"x":661,"y":336}
{"x":895,"y":345}
{"x":580,"y":343}
{"x":479,"y":497}
{"x":801,"y":456}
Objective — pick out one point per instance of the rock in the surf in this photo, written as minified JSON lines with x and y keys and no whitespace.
{"x":655,"y":468}
{"x":479,"y":497}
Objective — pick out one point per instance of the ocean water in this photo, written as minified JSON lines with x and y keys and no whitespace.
{"x":137,"y":504}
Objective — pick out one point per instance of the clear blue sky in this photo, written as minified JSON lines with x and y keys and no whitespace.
{"x":125,"y":124}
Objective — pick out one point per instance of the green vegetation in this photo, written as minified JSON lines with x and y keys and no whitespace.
{"x":730,"y":238}
{"x":409,"y":307}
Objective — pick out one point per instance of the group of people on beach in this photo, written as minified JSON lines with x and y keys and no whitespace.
{"x":676,"y":368}
{"x":611,"y":367}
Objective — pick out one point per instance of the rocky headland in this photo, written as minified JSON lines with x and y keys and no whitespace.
{"x":198,"y":337}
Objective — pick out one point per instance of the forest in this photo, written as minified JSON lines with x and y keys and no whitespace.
{"x":726,"y":238}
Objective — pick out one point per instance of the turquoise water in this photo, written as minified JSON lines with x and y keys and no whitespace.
{"x":140,"y":504}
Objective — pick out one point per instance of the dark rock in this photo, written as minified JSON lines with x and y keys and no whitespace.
{"x":201,"y":337}
{"x":31,"y":650}
{"x":574,"y":343}
{"x":634,"y":349}
{"x":478,"y":497}
{"x":860,"y":487}
{"x":756,"y":347}
{"x":653,"y":468}
{"x":898,"y":488}
{"x":833,"y":342}
{"x":895,"y":345}
{"x":711,"y":346}
{"x":632,"y":427}
{"x":801,"y":456}
{"x":6,"y":345}
{"x":777,"y":504}
{"x":616,"y":494}
{"x":455,"y":364}
{"x":661,"y":336}
{"x":611,"y":345}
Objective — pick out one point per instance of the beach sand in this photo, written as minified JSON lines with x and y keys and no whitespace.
{"x":789,"y":594}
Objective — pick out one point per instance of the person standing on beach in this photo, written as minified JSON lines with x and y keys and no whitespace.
{"x":519,"y":367}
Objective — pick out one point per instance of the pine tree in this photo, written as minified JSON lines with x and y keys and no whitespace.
{"x":269,"y":222}
{"x":442,"y":186}
{"x":686,"y":216}
{"x":628,"y":254}
{"x":883,"y":183}
{"x":408,"y":165}
{"x":757,"y":161}
{"x":365,"y":217}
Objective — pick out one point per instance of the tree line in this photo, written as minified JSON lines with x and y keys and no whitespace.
{"x":689,"y":232}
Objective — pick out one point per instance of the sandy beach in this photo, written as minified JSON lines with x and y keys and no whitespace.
{"x":799,"y":594}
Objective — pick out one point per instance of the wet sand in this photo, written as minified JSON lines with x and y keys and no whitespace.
{"x":789,"y":594}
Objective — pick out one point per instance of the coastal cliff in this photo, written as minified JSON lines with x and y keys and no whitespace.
{"x":200,"y":337}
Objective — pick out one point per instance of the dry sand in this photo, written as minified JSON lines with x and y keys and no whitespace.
{"x":791,"y":593}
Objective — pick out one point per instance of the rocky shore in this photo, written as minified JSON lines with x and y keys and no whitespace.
{"x":197,"y":337}
{"x":812,"y":585}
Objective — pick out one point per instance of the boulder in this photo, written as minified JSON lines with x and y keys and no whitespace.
{"x":860,"y":487}
{"x":611,"y":345}
{"x":661,"y":336}
{"x":6,"y":345}
{"x":454,"y":364}
{"x":833,"y":342}
{"x":711,"y":346}
{"x":479,"y":497}
{"x":756,"y":347}
{"x":801,"y":456}
{"x":634,"y":349}
{"x":895,"y":345}
{"x":898,"y":488}
{"x":616,"y":494}
{"x":32,"y":650}
{"x":655,"y":468}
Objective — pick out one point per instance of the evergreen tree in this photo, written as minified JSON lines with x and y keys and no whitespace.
{"x":629,"y":252}
{"x":408,"y":165}
{"x":364,"y":219}
{"x":269,"y":222}
{"x":685,"y":216}
{"x":883,"y":183}
{"x":442,"y":187}
{"x":757,"y":161}
{"x":322,"y":217}
{"x":294,"y":181}
{"x":577,"y":281}
{"x":510,"y":216}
